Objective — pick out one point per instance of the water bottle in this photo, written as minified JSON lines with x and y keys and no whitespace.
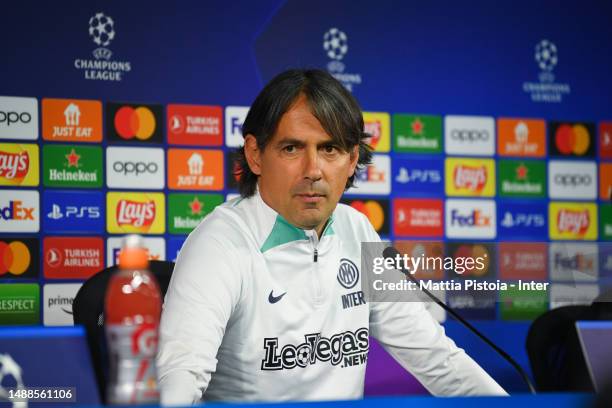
{"x":133,"y":309}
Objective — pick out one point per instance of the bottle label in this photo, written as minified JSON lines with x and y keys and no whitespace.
{"x":132,"y":350}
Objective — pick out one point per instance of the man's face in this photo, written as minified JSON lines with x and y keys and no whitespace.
{"x":302,"y":172}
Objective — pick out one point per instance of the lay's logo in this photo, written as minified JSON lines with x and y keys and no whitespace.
{"x":142,"y":213}
{"x":470,"y":177}
{"x":135,"y":213}
{"x":18,"y":165}
{"x":574,"y":221}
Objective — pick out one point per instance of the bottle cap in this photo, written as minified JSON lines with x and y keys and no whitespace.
{"x":133,"y":254}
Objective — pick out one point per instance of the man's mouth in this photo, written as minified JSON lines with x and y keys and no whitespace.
{"x":311,"y":197}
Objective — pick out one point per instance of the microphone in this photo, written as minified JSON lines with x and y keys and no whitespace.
{"x":391,"y":252}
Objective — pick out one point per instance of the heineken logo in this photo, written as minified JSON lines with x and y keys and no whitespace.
{"x":519,"y":178}
{"x":14,"y":165}
{"x":186,"y":211}
{"x":417,"y":133}
{"x":135,"y":213}
{"x":72,"y":166}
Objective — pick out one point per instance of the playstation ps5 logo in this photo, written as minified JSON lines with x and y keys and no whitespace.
{"x":74,"y":212}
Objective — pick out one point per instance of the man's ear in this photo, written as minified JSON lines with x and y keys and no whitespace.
{"x":252,"y":154}
{"x":354,"y":157}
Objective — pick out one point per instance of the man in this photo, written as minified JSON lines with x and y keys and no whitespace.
{"x":253,"y":311}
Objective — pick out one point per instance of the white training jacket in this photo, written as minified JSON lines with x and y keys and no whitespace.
{"x":259,"y":310}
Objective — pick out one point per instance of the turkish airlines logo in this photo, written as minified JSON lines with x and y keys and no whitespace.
{"x":472,"y":135}
{"x":470,"y":219}
{"x":195,"y":125}
{"x":522,"y":260}
{"x":135,"y":213}
{"x":134,"y":123}
{"x":72,"y":257}
{"x":18,"y":118}
{"x":418,"y":217}
{"x":135,"y":167}
{"x":572,"y":179}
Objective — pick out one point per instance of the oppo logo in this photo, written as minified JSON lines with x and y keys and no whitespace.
{"x":573,"y":179}
{"x":469,"y":135}
{"x":15,"y":117}
{"x":135,"y":167}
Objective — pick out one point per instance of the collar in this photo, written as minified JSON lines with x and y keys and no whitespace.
{"x":276,"y":230}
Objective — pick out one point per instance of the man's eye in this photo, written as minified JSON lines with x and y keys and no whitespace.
{"x":330,"y":149}
{"x":289,"y":149}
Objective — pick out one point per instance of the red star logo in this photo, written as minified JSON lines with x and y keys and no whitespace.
{"x":521,"y":172}
{"x":196,"y":206}
{"x":73,"y":159}
{"x":417,"y":126}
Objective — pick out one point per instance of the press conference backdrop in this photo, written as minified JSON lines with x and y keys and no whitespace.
{"x":491,"y":125}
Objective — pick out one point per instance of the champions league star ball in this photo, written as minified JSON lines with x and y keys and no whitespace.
{"x":101,"y":29}
{"x":546,"y":55}
{"x":335,"y":43}
{"x":10,"y":376}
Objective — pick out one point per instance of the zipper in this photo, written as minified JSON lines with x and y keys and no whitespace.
{"x":316,"y":255}
{"x":314,"y":240}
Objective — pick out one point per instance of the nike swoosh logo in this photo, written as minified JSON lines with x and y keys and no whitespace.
{"x":273,"y":299}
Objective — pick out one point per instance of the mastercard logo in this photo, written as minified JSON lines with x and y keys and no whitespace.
{"x":135,"y":122}
{"x":371,"y":209}
{"x":572,"y":139}
{"x":474,"y":252}
{"x":15,"y":258}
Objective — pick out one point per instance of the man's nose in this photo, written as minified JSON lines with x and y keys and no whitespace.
{"x":312,"y":165}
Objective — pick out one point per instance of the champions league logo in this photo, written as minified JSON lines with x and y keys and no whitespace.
{"x":546,"y":56}
{"x":335,"y":45}
{"x":102,"y":67}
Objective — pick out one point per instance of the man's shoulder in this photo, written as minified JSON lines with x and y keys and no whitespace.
{"x":348,"y":221}
{"x":225,"y":224}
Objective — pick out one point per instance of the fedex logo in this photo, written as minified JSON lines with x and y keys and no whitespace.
{"x":19,"y":211}
{"x":156,"y":247}
{"x":16,"y":211}
{"x":474,"y":218}
{"x":573,"y":262}
{"x":374,"y":179}
{"x":234,"y":118}
{"x":470,"y":219}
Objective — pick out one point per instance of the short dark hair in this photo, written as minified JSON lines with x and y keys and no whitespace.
{"x":330,"y":102}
